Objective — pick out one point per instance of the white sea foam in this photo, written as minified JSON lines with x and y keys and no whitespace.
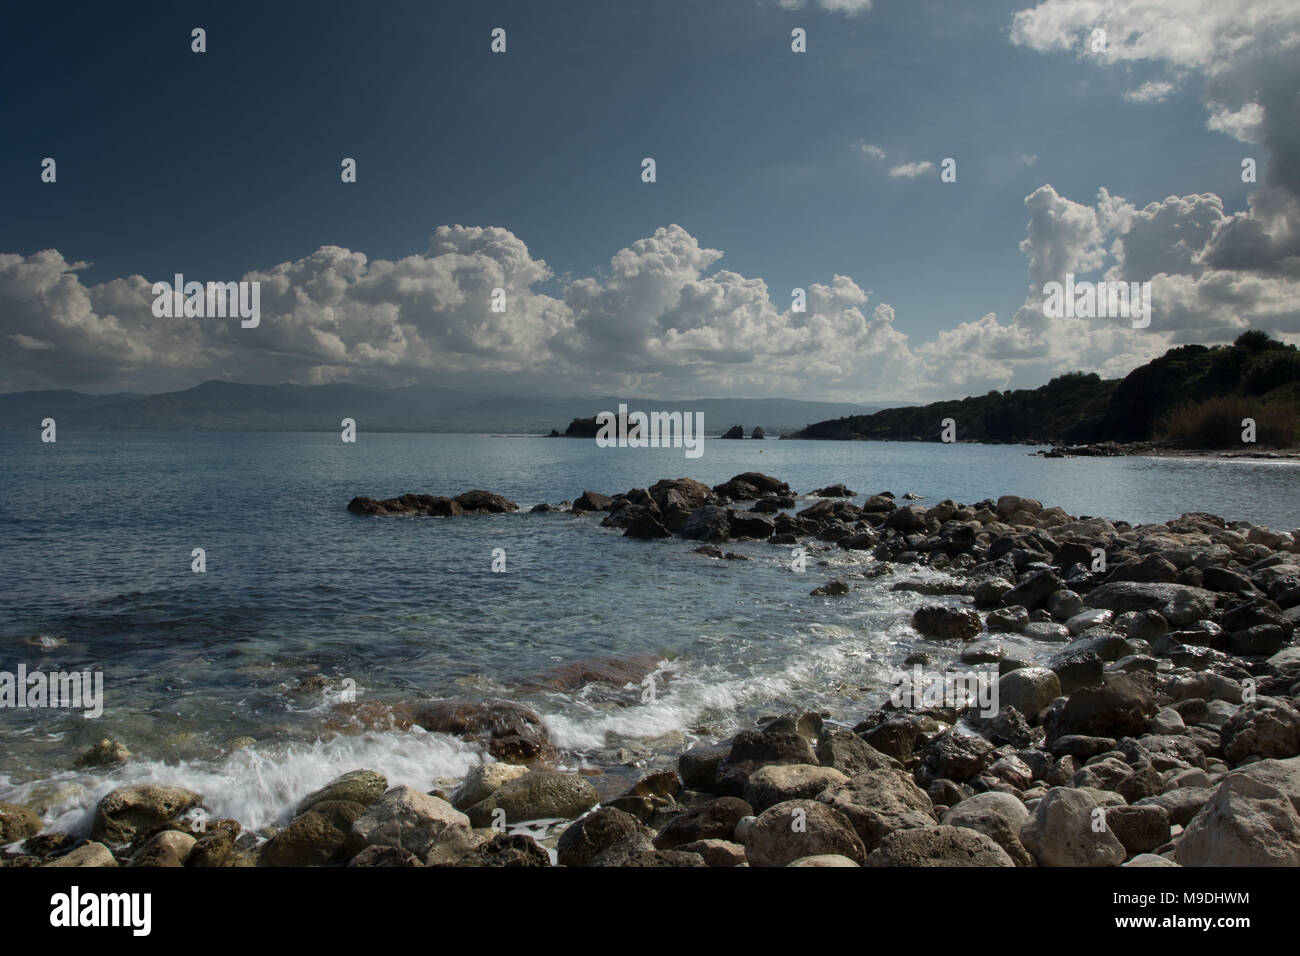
{"x":259,"y":787}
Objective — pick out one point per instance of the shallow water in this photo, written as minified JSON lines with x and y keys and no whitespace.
{"x":95,"y":554}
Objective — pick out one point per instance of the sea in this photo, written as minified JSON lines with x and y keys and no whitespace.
{"x":277,"y":666}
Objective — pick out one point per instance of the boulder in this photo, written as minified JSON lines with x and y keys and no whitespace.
{"x":592,"y":501}
{"x":716,"y":852}
{"x":1011,"y":620}
{"x":999,"y":816}
{"x":1122,"y":596}
{"x":385,"y":856}
{"x":750,"y":485}
{"x":1150,"y":859}
{"x":1269,"y":727}
{"x":894,"y":738}
{"x":1090,"y":618}
{"x":429,"y":827}
{"x":88,"y":854}
{"x":637,"y":852}
{"x":1181,"y":804}
{"x":166,"y":849}
{"x":825,"y":859}
{"x":645,"y":527}
{"x":1064,"y":831}
{"x":507,"y":850}
{"x":436,"y":506}
{"x":358,"y":786}
{"x":653,"y":794}
{"x":1244,"y":823}
{"x":947,"y":623}
{"x":938,"y":846}
{"x":906,"y":518}
{"x":216,"y":847}
{"x":537,"y":795}
{"x":711,"y":820}
{"x":698,"y":767}
{"x":1008,"y":505}
{"x":510,"y":732}
{"x":878,"y":802}
{"x":125,"y":813}
{"x":1034,"y":590}
{"x":1120,"y":707}
{"x":990,"y":592}
{"x":484,"y":502}
{"x":483,"y":781}
{"x":1046,"y":631}
{"x":586,"y":839}
{"x":1029,"y":690}
{"x":1283,"y":774}
{"x":106,"y":753}
{"x":835,"y":491}
{"x":1077,"y":669}
{"x":315,"y":838}
{"x":798,"y":828}
{"x":1140,"y":828}
{"x":707,"y":523}
{"x":954,"y":756}
{"x":747,"y":524}
{"x":777,"y":783}
{"x":17,"y":823}
{"x":849,"y":753}
{"x":752,"y":749}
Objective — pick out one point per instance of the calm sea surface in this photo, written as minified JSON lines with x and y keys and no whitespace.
{"x":96,"y":535}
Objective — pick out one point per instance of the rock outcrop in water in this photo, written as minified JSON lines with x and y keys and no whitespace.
{"x":435,"y":506}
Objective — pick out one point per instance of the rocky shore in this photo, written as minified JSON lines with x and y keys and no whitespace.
{"x":1147,"y":713}
{"x":1111,"y":449}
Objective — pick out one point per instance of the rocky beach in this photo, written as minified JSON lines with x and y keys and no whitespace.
{"x":1145,"y":682}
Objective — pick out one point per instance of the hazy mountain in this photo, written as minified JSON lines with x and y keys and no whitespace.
{"x":231,"y":406}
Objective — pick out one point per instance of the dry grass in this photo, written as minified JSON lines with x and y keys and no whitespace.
{"x":1216,"y":423}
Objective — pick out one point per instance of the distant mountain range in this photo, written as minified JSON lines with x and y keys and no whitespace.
{"x":231,"y":406}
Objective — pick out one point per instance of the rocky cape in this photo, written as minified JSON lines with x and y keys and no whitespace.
{"x":1093,"y":416}
{"x":1147,"y":677}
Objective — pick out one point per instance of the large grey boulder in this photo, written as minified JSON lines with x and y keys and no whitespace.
{"x":799,"y":828}
{"x":938,"y":846}
{"x":424,"y":825}
{"x":1245,"y":823}
{"x":537,"y":795}
{"x":998,"y":816}
{"x":1068,"y":829}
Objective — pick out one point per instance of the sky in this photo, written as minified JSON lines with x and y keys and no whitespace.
{"x":775,"y":170}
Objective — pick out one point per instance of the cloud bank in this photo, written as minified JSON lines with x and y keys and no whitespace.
{"x":667,"y":318}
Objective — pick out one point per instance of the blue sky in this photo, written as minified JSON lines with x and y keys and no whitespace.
{"x":225,"y":164}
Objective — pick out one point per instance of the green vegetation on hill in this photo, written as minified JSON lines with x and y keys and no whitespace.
{"x":1255,"y":368}
{"x":1162,"y":399}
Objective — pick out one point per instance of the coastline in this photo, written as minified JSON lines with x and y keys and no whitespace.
{"x":1173,"y":670}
